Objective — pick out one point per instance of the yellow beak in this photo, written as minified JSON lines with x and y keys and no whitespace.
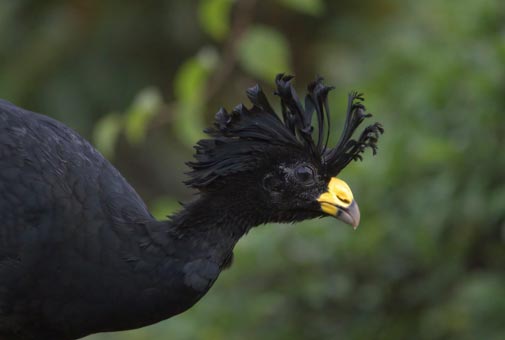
{"x":338,"y":201}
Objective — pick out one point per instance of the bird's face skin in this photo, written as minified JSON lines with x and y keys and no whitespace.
{"x":302,"y":189}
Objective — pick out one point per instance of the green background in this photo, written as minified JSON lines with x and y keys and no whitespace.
{"x":140,"y":79}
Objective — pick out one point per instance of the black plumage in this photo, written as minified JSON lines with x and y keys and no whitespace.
{"x":79,"y":251}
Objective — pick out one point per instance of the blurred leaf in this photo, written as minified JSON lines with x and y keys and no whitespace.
{"x":432,"y":149}
{"x":312,"y":7}
{"x":214,"y":17}
{"x":106,"y":132}
{"x":190,"y":85}
{"x":264,"y":52}
{"x":145,"y":106}
{"x":163,"y":206}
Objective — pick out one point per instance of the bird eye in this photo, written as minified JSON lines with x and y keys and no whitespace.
{"x":304,"y":174}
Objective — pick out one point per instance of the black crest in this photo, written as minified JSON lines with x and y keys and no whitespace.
{"x":238,"y":138}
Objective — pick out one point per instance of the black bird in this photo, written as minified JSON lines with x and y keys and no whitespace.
{"x":79,"y":251}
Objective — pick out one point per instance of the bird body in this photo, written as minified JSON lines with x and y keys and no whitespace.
{"x":79,"y":251}
{"x":78,"y":248}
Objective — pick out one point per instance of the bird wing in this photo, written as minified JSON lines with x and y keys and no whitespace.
{"x":62,"y":206}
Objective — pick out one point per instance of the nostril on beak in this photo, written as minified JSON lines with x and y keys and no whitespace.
{"x":343,"y":199}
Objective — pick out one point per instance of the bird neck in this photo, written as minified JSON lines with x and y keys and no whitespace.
{"x":187,"y":253}
{"x":212,"y":225}
{"x":232,"y":215}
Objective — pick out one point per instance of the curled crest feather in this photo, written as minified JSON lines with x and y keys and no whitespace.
{"x":238,"y":139}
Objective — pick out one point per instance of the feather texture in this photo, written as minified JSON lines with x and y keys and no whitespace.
{"x":237,"y":138}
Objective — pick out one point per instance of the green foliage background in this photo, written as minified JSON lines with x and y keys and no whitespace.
{"x":141,"y":79}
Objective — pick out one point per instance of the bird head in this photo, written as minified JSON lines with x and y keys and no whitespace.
{"x":283,"y":164}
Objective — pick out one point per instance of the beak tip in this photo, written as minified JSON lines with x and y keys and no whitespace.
{"x":356,"y":216}
{"x":350,"y":215}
